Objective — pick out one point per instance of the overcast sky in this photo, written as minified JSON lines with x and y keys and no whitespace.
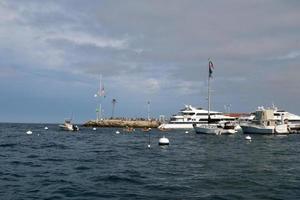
{"x":52,"y":52}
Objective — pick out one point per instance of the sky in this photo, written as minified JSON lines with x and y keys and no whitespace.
{"x":53,"y":52}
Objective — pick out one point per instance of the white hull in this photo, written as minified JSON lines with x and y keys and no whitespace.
{"x":176,"y":126}
{"x":213,"y":129}
{"x":69,"y":127}
{"x":188,"y":126}
{"x":255,"y":129}
{"x":260,"y":129}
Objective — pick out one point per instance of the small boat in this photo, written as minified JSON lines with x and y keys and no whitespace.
{"x":128,"y":129}
{"x":162,"y":129}
{"x":145,"y":129}
{"x":68,"y":126}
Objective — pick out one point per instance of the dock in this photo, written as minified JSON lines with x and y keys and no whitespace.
{"x":134,"y":123}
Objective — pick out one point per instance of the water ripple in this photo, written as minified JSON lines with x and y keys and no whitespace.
{"x":103,"y":165}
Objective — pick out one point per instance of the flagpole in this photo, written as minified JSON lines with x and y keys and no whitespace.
{"x":100,"y":95}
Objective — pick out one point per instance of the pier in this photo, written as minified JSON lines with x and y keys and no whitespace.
{"x":134,"y":123}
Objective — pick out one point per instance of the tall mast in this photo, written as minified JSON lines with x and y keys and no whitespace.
{"x":210,"y":71}
{"x":100,"y":94}
{"x":208,"y":93}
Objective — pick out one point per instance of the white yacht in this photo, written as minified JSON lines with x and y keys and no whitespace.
{"x":191,"y":115}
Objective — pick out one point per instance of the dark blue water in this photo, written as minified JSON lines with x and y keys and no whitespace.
{"x":101,"y":164}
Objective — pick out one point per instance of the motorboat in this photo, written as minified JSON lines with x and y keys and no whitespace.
{"x":279,"y":116}
{"x":128,"y":129}
{"x":146,"y":129}
{"x":264,"y":122}
{"x":68,"y":126}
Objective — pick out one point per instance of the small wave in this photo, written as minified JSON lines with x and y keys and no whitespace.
{"x":47,"y":182}
{"x":167,"y":187}
{"x":32,"y":156}
{"x":118,"y":179}
{"x":30,"y":164}
{"x":81,"y":168}
{"x":54,"y":145}
{"x":9,"y":145}
{"x":52,"y":159}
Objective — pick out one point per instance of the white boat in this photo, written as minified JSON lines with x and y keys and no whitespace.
{"x":215,"y":129}
{"x":278,"y":115}
{"x":264,"y":122}
{"x":191,"y":115}
{"x":214,"y":126}
{"x":68,"y":126}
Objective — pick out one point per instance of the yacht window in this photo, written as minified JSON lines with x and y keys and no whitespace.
{"x":189,"y":114}
{"x":202,"y":114}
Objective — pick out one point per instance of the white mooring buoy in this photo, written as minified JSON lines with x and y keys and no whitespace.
{"x":163,"y":141}
{"x":29,"y":132}
{"x":46,"y":128}
{"x":186,"y":131}
{"x":117,"y":132}
{"x":248,"y":137}
{"x":94,"y":129}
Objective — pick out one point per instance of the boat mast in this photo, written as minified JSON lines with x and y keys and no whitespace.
{"x":210,"y":70}
{"x":208,"y":93}
{"x":100,"y":95}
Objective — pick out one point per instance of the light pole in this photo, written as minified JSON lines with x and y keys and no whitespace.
{"x":114,"y":101}
{"x":148,"y":110}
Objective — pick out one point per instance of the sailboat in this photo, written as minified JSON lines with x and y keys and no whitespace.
{"x":213,"y":126}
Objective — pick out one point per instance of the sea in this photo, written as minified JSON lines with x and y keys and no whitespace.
{"x":101,"y":164}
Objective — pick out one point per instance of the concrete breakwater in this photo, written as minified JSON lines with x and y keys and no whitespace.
{"x":122,"y":123}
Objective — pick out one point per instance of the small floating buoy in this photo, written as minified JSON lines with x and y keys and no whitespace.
{"x":117,"y":132}
{"x":149,"y":145}
{"x":163,"y":141}
{"x":29,"y":132}
{"x":94,"y":129}
{"x":46,"y":128}
{"x":248,"y":137}
{"x":186,"y":132}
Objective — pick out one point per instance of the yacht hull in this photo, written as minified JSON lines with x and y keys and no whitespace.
{"x":176,"y":126}
{"x":252,"y":129}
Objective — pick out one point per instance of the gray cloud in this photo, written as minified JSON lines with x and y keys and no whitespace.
{"x":159,"y":45}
